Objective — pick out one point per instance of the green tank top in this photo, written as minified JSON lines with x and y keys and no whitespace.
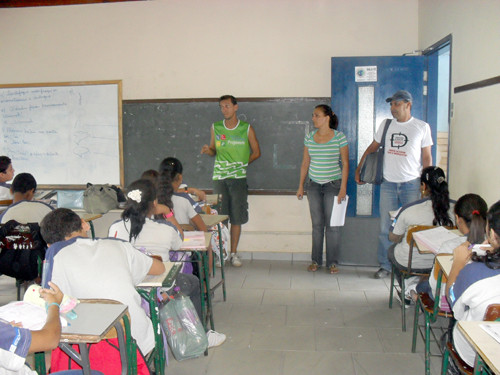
{"x":232,"y":151}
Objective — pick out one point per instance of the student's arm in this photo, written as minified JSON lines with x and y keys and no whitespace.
{"x":198,"y":223}
{"x":161,"y":209}
{"x":370,"y":149}
{"x":48,"y":337}
{"x":199,"y":193}
{"x":304,"y":167}
{"x":254,"y":145}
{"x":426,"y":156}
{"x":210,"y":150}
{"x":157,"y":267}
{"x":461,"y":256}
{"x":344,"y":158}
{"x":396,"y":238}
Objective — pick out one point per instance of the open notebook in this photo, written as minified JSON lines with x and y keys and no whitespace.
{"x":433,"y":238}
{"x":167,"y":278}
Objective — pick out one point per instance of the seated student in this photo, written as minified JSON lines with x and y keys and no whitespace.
{"x":470,"y":216}
{"x":6,"y":174}
{"x":101,"y":268}
{"x":24,"y":209}
{"x":435,"y":208}
{"x":156,"y":238}
{"x":17,"y":342}
{"x":473,"y":282}
{"x":171,"y":173}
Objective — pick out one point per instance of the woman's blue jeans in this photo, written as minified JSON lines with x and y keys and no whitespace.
{"x":321,"y":198}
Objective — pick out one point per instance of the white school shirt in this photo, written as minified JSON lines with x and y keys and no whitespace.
{"x":183,"y":209}
{"x":104,"y":268}
{"x":156,"y":237}
{"x":403,"y":148}
{"x":417,"y":213}
{"x":5,"y":193}
{"x":25,"y":212}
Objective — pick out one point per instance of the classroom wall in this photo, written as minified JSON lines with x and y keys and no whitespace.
{"x":262,"y":48}
{"x":199,"y":48}
{"x":474,"y":130}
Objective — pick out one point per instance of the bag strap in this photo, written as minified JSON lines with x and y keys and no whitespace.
{"x":386,"y":126}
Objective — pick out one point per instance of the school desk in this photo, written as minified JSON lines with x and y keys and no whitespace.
{"x":95,"y":318}
{"x":152,"y":283}
{"x":198,"y":242}
{"x":486,"y":346}
{"x":210,"y":221}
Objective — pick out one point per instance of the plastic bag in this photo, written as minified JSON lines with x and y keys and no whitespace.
{"x":186,"y":336}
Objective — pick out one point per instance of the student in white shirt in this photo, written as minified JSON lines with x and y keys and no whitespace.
{"x":6,"y":174}
{"x":24,"y":209}
{"x":470,"y":217}
{"x":156,"y":237}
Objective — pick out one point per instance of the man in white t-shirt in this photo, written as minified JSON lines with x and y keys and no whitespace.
{"x":408,"y":145}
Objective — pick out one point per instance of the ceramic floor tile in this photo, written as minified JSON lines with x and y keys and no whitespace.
{"x":267,"y":282}
{"x":387,"y":363}
{"x":341,"y":298}
{"x":348,"y":339}
{"x":268,"y":315}
{"x":368,"y":317}
{"x":244,"y":362}
{"x":318,"y":363}
{"x":288,"y":297}
{"x":283,"y":338}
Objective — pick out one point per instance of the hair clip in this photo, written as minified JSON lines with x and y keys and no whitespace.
{"x":135,"y":195}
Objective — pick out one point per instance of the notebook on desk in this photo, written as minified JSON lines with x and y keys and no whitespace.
{"x":167,"y":278}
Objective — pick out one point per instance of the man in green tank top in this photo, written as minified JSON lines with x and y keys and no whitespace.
{"x":234,"y":145}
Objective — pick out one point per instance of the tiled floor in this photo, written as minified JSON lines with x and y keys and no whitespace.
{"x":280,"y":319}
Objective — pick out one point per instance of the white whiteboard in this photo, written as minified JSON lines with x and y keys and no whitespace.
{"x":63,"y":134}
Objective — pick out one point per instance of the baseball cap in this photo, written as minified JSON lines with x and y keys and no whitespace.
{"x":400,"y":95}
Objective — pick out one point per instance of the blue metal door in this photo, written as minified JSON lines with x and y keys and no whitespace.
{"x":360,"y":86}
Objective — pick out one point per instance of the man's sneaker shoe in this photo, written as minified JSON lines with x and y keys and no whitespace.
{"x":235,"y":261}
{"x":215,"y":338}
{"x":381,"y":273}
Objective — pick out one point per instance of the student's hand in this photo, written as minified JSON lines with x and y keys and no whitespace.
{"x":357,"y":177}
{"x":16,"y":324}
{"x":53,"y":294}
{"x":200,"y":194}
{"x":300,"y":193}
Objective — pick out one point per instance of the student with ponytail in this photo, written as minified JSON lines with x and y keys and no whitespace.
{"x":470,"y":217}
{"x":435,"y":208}
{"x":473,"y":281}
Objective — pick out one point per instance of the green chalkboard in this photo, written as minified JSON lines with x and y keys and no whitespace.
{"x":153,"y":130}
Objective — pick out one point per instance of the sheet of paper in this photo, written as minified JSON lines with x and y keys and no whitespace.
{"x":493,"y":330}
{"x":31,"y":316}
{"x":434,"y":238}
{"x":338,"y":212}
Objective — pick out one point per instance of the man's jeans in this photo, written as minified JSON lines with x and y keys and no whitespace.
{"x":392,"y":196}
{"x":321,"y":199}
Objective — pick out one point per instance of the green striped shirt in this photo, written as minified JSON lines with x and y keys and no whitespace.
{"x":324,"y":166}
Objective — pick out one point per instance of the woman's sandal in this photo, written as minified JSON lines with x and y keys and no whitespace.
{"x":333,"y":269}
{"x":313,"y":267}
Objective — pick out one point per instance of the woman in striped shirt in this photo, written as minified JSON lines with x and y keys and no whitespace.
{"x":323,"y":149}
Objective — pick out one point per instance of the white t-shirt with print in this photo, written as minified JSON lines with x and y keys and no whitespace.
{"x":403,"y":148}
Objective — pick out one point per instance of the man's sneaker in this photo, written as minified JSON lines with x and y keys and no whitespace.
{"x":215,"y":338}
{"x":235,"y":261}
{"x":381,"y":273}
